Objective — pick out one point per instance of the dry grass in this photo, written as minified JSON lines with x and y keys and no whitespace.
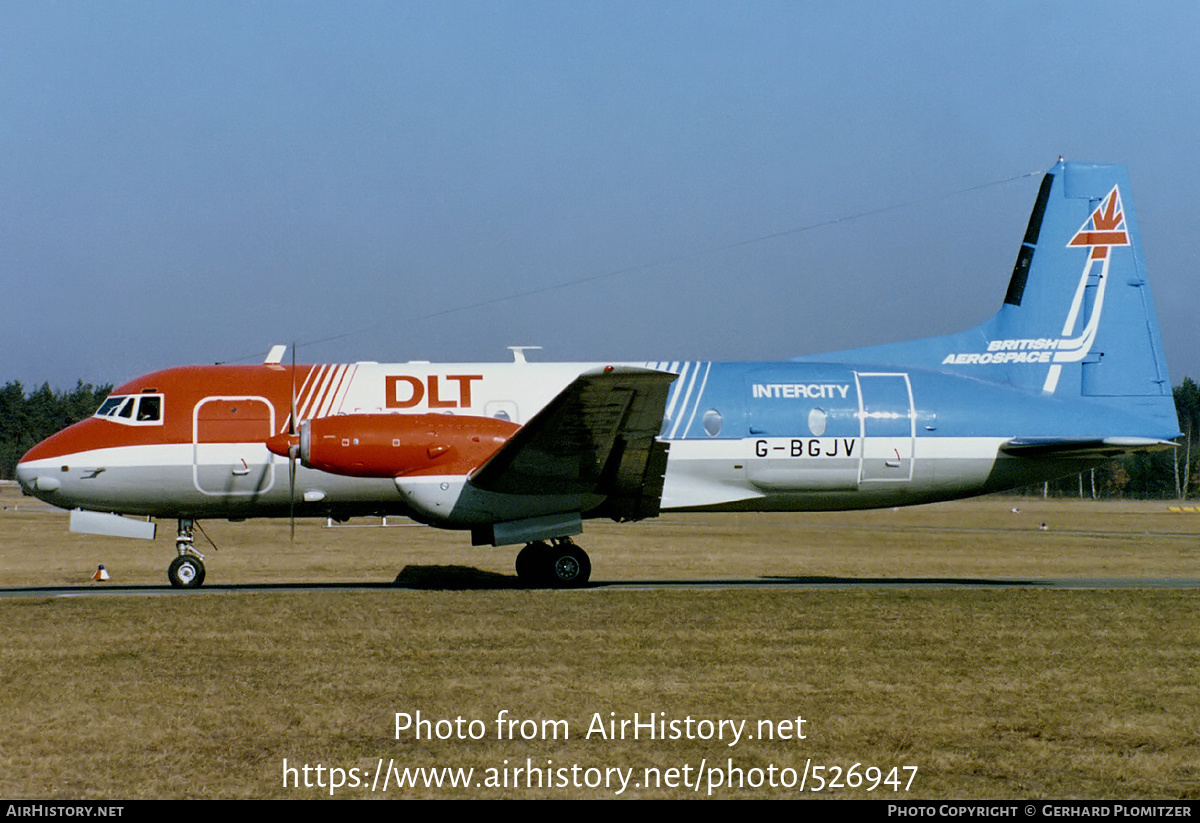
{"x":990,"y":692}
{"x":969,"y":539}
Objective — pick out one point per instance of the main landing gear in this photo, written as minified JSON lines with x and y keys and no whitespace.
{"x":187,"y":570}
{"x":557,"y":564}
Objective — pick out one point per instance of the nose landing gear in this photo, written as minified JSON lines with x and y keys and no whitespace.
{"x":187,"y":570}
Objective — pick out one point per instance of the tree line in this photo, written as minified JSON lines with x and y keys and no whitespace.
{"x":26,"y":418}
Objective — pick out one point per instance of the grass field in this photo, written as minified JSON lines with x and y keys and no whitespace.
{"x":989,"y":692}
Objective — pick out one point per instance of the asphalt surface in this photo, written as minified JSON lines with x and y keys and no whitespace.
{"x":457,"y":580}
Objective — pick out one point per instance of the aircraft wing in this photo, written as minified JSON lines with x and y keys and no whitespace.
{"x":1082,"y":447}
{"x":597,"y":437}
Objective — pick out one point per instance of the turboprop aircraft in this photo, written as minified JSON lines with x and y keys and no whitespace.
{"x":1068,"y":373}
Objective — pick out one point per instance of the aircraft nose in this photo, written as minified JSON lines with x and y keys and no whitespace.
{"x":38,"y":481}
{"x":26,"y":477}
{"x":41,"y":472}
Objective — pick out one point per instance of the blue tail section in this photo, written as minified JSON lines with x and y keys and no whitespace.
{"x":1078,"y":319}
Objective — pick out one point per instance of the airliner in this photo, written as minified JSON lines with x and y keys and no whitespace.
{"x":1068,"y":373}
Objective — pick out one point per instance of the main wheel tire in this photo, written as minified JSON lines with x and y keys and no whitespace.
{"x":569,"y":566}
{"x":532,"y":562}
{"x":186,"y":572}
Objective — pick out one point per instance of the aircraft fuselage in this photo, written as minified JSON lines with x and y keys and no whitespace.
{"x":742,"y":436}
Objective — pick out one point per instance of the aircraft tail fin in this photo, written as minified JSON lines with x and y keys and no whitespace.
{"x":1078,"y":319}
{"x":1078,"y":293}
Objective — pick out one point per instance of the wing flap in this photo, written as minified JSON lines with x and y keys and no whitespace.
{"x":598,"y":436}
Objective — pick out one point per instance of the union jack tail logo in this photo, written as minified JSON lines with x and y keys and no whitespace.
{"x":1104,"y":228}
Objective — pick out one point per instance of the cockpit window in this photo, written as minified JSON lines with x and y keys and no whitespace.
{"x":133,"y":410}
{"x":109,"y":406}
{"x":149,"y":409}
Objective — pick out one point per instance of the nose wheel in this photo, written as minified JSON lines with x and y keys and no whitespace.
{"x":558,"y":564}
{"x":187,"y":570}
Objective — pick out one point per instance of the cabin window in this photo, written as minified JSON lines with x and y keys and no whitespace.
{"x":817,"y":421}
{"x":712,"y":422}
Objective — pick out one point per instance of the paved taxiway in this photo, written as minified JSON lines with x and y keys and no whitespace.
{"x":448,"y":583}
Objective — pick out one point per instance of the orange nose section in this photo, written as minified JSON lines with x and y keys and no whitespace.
{"x":83,"y":436}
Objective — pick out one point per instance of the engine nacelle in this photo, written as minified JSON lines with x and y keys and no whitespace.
{"x":395,"y":445}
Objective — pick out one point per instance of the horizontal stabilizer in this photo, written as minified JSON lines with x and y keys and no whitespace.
{"x":597,"y":437}
{"x":1083,"y":447}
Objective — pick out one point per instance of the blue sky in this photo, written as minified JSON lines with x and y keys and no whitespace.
{"x":193,"y":182}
